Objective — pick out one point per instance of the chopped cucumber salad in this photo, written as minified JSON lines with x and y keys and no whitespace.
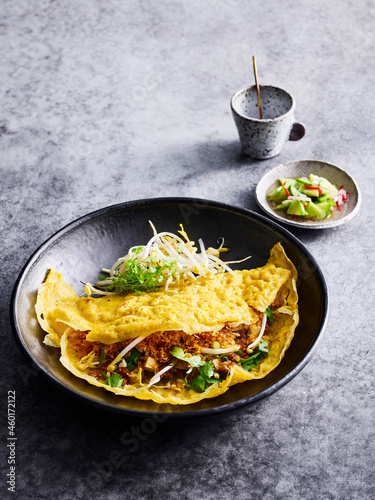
{"x":310,"y":198}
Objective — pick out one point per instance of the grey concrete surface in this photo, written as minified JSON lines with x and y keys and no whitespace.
{"x":108,"y":101}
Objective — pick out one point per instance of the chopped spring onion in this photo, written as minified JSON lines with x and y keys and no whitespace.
{"x":166,"y":259}
{"x":208,"y":350}
{"x":128,"y":348}
{"x":156,"y":377}
{"x":257,"y":340}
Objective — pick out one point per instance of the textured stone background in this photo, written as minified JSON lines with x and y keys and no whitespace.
{"x":104,"y":102}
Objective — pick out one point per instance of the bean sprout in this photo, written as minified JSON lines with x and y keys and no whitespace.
{"x":177,"y":261}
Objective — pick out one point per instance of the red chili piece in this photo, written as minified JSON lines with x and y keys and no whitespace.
{"x":286,"y":189}
{"x":320,"y":191}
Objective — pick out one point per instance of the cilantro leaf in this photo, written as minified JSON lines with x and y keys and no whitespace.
{"x":251,"y":362}
{"x":207,"y":371}
{"x":269,"y":314}
{"x":114,"y":380}
{"x":132,"y":359}
{"x":198,"y":384}
{"x":254,"y":360}
{"x":205,"y":378}
{"x":263,"y":346}
{"x":101,"y":356}
{"x":194,"y":361}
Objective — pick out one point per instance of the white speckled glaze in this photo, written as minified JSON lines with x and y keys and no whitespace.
{"x":265,"y":138}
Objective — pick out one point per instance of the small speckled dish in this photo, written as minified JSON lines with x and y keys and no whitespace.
{"x":303,"y":168}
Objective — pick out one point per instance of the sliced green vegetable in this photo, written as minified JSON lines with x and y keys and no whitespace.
{"x":304,"y":181}
{"x":321,"y":198}
{"x":288,"y":181}
{"x":326,"y":206}
{"x":278,"y":194}
{"x":311,"y":191}
{"x":296,"y":208}
{"x":315,"y":211}
{"x":309,"y":197}
{"x":294,"y":191}
{"x":283,"y":205}
{"x":326,"y":185}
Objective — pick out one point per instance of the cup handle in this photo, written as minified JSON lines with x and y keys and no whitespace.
{"x":297,"y":132}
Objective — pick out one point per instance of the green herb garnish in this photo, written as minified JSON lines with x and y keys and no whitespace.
{"x":206,"y":370}
{"x":255,"y":359}
{"x":205,"y":378}
{"x":263,"y":346}
{"x":141,"y":276}
{"x":101,"y":356}
{"x":194,"y":361}
{"x":269,"y":314}
{"x":114,"y":380}
{"x":198,"y":384}
{"x":132,"y":359}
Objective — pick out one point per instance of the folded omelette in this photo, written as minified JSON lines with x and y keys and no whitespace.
{"x":178,"y":346}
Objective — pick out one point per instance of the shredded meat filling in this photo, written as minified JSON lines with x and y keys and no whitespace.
{"x":158,"y":346}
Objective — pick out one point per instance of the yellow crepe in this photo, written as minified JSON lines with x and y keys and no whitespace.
{"x":53,"y":294}
{"x":203,"y":305}
{"x":206,"y":304}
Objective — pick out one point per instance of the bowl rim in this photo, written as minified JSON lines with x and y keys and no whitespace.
{"x":304,"y":225}
{"x":170,"y":414}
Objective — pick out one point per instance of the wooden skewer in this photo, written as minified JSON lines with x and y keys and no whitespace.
{"x":257,"y":86}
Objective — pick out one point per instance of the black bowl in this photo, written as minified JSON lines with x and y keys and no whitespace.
{"x":82,"y":248}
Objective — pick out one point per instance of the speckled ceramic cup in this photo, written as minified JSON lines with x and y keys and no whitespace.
{"x":265,"y":138}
